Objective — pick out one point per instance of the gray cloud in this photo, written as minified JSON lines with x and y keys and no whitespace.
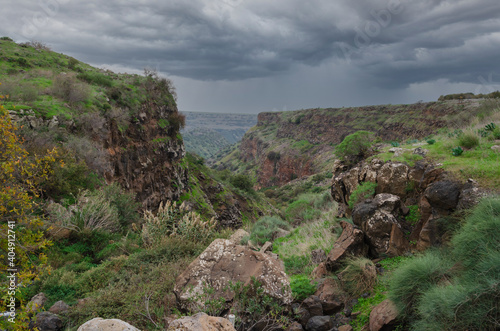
{"x":388,"y":44}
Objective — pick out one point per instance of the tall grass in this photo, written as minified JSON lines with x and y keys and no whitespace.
{"x":457,"y":289}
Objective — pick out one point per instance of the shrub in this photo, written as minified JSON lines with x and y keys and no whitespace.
{"x":296,"y":264}
{"x":394,"y":144}
{"x":96,"y":78}
{"x":457,"y":151}
{"x":69,"y":89}
{"x":124,"y":202}
{"x":6,"y":39}
{"x":359,"y":275}
{"x":301,"y":287}
{"x":431,"y":141}
{"x":300,"y":211}
{"x":175,"y":221}
{"x":355,"y":145}
{"x":242,"y":182}
{"x":364,"y":191}
{"x":414,"y":215}
{"x":468,"y":140}
{"x":265,"y":227}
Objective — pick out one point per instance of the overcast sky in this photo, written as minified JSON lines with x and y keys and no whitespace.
{"x":260,"y":55}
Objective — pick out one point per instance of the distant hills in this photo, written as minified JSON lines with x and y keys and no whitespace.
{"x":207,"y":133}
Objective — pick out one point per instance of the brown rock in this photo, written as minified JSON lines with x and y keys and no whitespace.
{"x":59,"y":308}
{"x":328,"y":294}
{"x":350,"y":242}
{"x":238,"y":236}
{"x":267,"y":247}
{"x":313,"y":305}
{"x":46,"y":321}
{"x":398,"y":244}
{"x":222,"y":262}
{"x":99,"y":324}
{"x":443,"y":194}
{"x":383,"y":315}
{"x":345,"y":328}
{"x":201,"y":322}
{"x":319,"y":272}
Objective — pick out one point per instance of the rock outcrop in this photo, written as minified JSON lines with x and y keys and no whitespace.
{"x":99,"y":324}
{"x":383,"y":316}
{"x":201,"y":322}
{"x":383,"y":219}
{"x":350,"y":242}
{"x":46,"y":321}
{"x":223,"y":262}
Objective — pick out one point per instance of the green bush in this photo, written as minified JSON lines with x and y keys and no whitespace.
{"x":124,"y":202}
{"x":301,"y":287}
{"x":96,"y":78}
{"x":431,"y":141}
{"x":300,"y":211}
{"x":355,"y":145}
{"x":242,"y":182}
{"x":296,"y":264}
{"x":457,"y":151}
{"x":394,"y":144}
{"x":265,"y":227}
{"x":364,"y":191}
{"x":468,"y":140}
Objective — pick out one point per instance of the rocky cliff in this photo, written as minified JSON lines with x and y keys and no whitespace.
{"x":286,"y":145}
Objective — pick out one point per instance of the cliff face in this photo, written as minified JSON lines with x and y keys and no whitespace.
{"x":146,"y":157}
{"x":288,"y":145}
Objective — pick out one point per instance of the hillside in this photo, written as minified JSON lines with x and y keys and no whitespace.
{"x":206,"y":134}
{"x":288,"y":145}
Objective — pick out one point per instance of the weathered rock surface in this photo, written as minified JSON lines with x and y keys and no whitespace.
{"x":319,"y":272}
{"x":222,"y":262}
{"x":328,"y":294}
{"x":443,"y":195}
{"x":313,"y":305}
{"x":350,"y":242}
{"x":319,"y":323}
{"x":238,"y":236}
{"x":295,"y":327}
{"x":201,"y":322}
{"x":99,"y":324}
{"x":60,"y":308}
{"x":46,"y":321}
{"x":383,"y":316}
{"x":378,"y":219}
{"x":318,"y":256}
{"x":37,"y":302}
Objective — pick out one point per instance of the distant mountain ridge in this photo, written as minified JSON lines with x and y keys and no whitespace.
{"x":205,"y":134}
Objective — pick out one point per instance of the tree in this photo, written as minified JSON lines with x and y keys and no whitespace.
{"x":355,"y":145}
{"x":21,"y":237}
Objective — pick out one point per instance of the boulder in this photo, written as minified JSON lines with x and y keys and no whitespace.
{"x":46,"y":321}
{"x":267,"y":247}
{"x":420,"y":151}
{"x":296,"y":326}
{"x":201,"y":322}
{"x":238,"y":236}
{"x":398,"y":244}
{"x":301,"y":314}
{"x":318,"y":256}
{"x":383,"y":316}
{"x":99,"y":324}
{"x":37,"y":302}
{"x":319,"y":323}
{"x":392,"y":178}
{"x":443,"y":195}
{"x":470,"y":195}
{"x":313,"y":305}
{"x":496,"y":148}
{"x":350,"y":242}
{"x":59,"y":308}
{"x":345,"y":328}
{"x":223,"y":262}
{"x":377,"y":219}
{"x":329,"y":296}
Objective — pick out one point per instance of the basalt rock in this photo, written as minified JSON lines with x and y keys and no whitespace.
{"x":350,"y":242}
{"x":201,"y":322}
{"x":222,"y":262}
{"x":106,"y":325}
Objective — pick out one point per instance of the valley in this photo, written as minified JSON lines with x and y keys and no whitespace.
{"x":127,"y":210}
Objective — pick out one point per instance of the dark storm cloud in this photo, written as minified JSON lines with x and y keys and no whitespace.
{"x":389,"y":44}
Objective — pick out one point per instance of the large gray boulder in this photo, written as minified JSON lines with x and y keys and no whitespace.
{"x":99,"y":324}
{"x":46,"y":321}
{"x":201,"y":322}
{"x":223,"y":262}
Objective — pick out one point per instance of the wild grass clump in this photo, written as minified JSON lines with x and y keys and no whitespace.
{"x":264,"y":229}
{"x":468,"y":140}
{"x":359,"y":276}
{"x":301,"y":287}
{"x":363,"y":191}
{"x":176,"y":221}
{"x":456,"y":289}
{"x":68,"y":88}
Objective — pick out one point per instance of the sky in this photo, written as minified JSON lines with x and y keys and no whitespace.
{"x":250,"y":56}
